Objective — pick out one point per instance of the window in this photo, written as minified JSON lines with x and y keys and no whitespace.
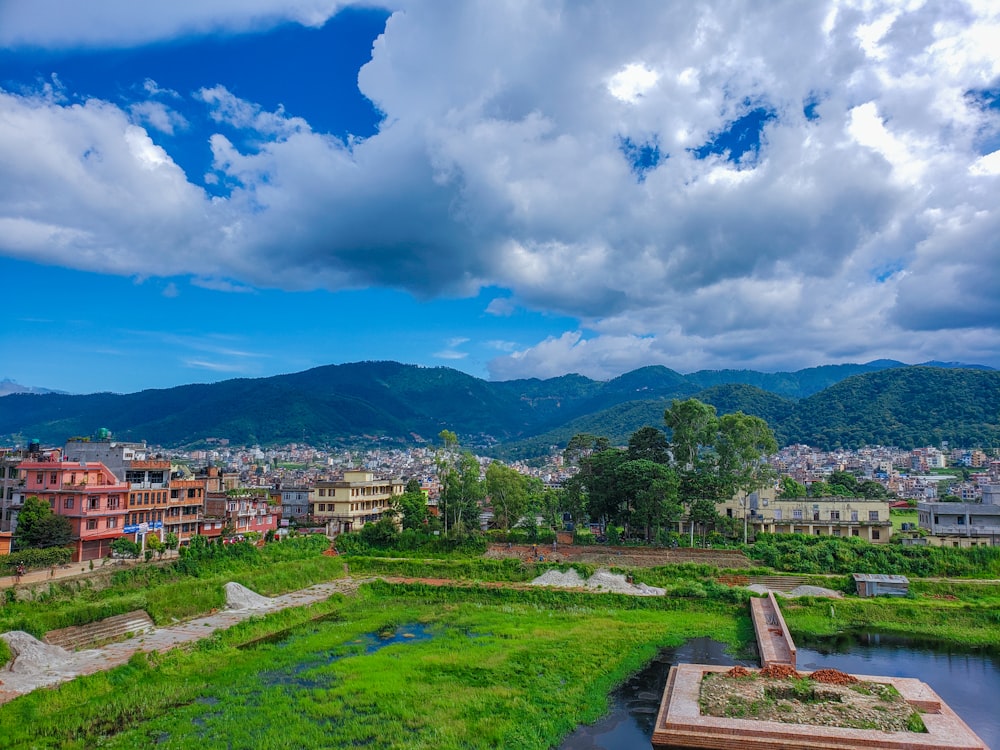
{"x":876,"y":534}
{"x":39,"y":478}
{"x":68,"y":502}
{"x":960,"y":520}
{"x":112,"y":523}
{"x":113,"y":502}
{"x":797,"y":514}
{"x":834,"y":515}
{"x":777,"y":514}
{"x":854,"y":516}
{"x":873,"y":515}
{"x":91,"y":524}
{"x":53,"y":478}
{"x":854,"y":532}
{"x":93,"y":503}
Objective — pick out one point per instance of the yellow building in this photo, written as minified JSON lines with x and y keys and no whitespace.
{"x":819,"y":516}
{"x":350,"y":503}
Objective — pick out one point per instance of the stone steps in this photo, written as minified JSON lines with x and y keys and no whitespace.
{"x":109,"y":629}
{"x":780,"y":583}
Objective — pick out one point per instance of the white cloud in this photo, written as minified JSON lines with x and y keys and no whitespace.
{"x":119,"y":23}
{"x":500,"y":163}
{"x":631,"y":82}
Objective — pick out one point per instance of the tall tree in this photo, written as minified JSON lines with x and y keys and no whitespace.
{"x":508,"y":494}
{"x":742,"y":444}
{"x":693,"y":424}
{"x":39,"y":527}
{"x":649,"y":494}
{"x":649,"y":443}
{"x":790,"y":488}
{"x":462,"y":493}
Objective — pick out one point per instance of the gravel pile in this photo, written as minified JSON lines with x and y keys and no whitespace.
{"x":240,"y":597}
{"x":815,"y":591}
{"x":602,"y":580}
{"x":568,"y":580}
{"x":758,"y":588}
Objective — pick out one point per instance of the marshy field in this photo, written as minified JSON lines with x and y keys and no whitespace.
{"x":482,"y":661}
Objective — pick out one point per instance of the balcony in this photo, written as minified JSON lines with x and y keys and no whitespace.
{"x":941,"y":529}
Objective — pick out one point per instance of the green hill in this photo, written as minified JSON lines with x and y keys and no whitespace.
{"x":345,"y":404}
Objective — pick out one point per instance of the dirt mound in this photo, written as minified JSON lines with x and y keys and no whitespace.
{"x":28,"y":654}
{"x":833,"y":677}
{"x":738,"y":671}
{"x":568,"y":580}
{"x":779,"y":671}
{"x":240,"y":597}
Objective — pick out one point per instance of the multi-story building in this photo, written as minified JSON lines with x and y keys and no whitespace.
{"x":88,"y":494}
{"x":148,"y":498}
{"x":11,"y":482}
{"x":185,"y":506}
{"x":294,"y":503}
{"x":348,"y":504}
{"x":963,"y":524}
{"x":240,"y":512}
{"x":830,"y":516}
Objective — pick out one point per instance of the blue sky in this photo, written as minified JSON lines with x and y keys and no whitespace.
{"x":195,"y":192}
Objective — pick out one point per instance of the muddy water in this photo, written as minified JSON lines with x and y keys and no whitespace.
{"x":968,"y":681}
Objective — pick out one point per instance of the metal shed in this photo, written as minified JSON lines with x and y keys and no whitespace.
{"x":879,"y":584}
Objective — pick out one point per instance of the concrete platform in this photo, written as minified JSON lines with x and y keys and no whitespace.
{"x":774,"y":641}
{"x":680,"y":724}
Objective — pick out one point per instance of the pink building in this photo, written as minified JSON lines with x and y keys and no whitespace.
{"x":88,"y":494}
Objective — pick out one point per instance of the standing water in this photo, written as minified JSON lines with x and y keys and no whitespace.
{"x":969,"y":682}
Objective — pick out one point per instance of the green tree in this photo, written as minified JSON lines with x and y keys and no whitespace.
{"x":650,"y":494}
{"x":703,"y":512}
{"x":508,"y":494}
{"x":693,"y":424}
{"x":819,"y":488}
{"x":413,"y":507}
{"x":844,"y":484}
{"x":789,"y":488}
{"x":583,"y":444}
{"x":125,"y":547}
{"x":462,"y":492}
{"x":38,"y":526}
{"x":599,"y":481}
{"x":170,"y":540}
{"x":153,"y":544}
{"x":742,"y":444}
{"x":649,"y":443}
{"x":872,"y":490}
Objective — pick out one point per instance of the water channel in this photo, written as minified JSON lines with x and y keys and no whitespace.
{"x":968,"y":681}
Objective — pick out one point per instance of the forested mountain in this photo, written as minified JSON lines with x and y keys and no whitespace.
{"x":887,"y":403}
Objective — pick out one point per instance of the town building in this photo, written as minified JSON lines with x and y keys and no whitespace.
{"x":348,"y":504}
{"x":237,"y":513}
{"x":88,"y":494}
{"x":294,"y":503}
{"x":819,"y":516}
{"x":963,"y":524}
{"x":185,"y":506}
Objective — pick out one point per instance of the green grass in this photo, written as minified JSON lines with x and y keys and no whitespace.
{"x":959,"y":623}
{"x":899,"y":517}
{"x":503,"y":669}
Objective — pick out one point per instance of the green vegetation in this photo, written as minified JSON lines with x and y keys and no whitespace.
{"x":39,"y":527}
{"x":484,"y":669}
{"x":962,"y":624}
{"x":825,"y":554}
{"x":882,"y":403}
{"x":186,"y":587}
{"x":34,"y":558}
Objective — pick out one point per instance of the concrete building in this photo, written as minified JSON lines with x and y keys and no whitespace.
{"x":241,"y":512}
{"x":88,"y":494}
{"x":963,"y":524}
{"x":348,"y":504}
{"x":185,"y":506}
{"x":819,"y":516}
{"x":294,"y":503}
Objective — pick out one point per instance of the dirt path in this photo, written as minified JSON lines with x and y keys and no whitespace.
{"x":17,"y":679}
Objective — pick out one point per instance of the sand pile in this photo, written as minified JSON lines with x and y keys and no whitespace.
{"x":240,"y":597}
{"x":602,"y":580}
{"x":28,"y":654}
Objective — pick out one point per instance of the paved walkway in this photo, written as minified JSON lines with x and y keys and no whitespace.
{"x":17,"y":679}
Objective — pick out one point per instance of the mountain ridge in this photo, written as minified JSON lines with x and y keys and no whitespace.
{"x":338,"y":404}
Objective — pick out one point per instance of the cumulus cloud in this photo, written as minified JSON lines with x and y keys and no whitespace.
{"x":814,"y":196}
